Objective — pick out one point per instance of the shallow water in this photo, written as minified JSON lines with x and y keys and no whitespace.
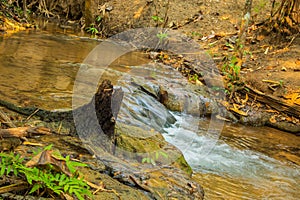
{"x":39,"y":69}
{"x":246,"y":163}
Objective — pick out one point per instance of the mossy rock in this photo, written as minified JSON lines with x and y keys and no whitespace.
{"x":137,"y":143}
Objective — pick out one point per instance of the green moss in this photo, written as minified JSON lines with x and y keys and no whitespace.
{"x":146,"y":143}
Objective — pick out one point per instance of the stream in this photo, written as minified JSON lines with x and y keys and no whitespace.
{"x":39,"y":68}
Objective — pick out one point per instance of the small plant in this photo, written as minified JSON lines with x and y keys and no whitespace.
{"x":92,"y":29}
{"x":157,"y":18}
{"x":56,"y":182}
{"x":47,"y":177}
{"x":152,"y":159}
{"x":281,"y":83}
{"x":98,"y":18}
{"x":260,"y":6}
{"x":196,"y":34}
{"x":10,"y":163}
{"x":193,"y":77}
{"x":232,"y":69}
{"x":162,"y":36}
{"x":162,"y":39}
{"x":229,"y":46}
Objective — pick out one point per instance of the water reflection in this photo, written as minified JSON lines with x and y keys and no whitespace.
{"x":41,"y":67}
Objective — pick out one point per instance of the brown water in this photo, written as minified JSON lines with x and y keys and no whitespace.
{"x":39,"y":69}
{"x":263,"y":164}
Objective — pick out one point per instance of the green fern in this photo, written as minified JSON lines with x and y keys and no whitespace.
{"x":46,"y":178}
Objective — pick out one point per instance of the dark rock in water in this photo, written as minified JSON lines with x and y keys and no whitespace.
{"x":116,"y":101}
{"x":97,"y":119}
{"x":286,"y":126}
{"x":163,"y":96}
{"x":261,"y":118}
{"x":255,"y":118}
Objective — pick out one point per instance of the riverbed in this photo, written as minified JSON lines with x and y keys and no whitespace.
{"x":39,"y":68}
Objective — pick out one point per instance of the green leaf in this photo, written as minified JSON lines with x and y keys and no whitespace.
{"x":57,"y":191}
{"x":78,"y":164}
{"x":144,"y":160}
{"x":17,"y":157}
{"x":15,"y":171}
{"x":36,"y":152}
{"x":8,"y":169}
{"x":29,"y":178}
{"x":164,"y":154}
{"x":157,"y":18}
{"x":78,"y":195}
{"x":66,"y":187}
{"x":70,"y":167}
{"x":21,"y":159}
{"x":156,"y":155}
{"x":2,"y":171}
{"x":35,"y":188}
{"x":62,"y":177}
{"x":49,"y":147}
{"x":58,"y":177}
{"x":98,"y":18}
{"x":71,"y":190}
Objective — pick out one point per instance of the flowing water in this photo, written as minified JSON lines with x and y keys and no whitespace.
{"x":39,"y":69}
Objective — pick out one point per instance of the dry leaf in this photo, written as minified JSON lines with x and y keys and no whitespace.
{"x":33,"y":144}
{"x":260,"y":37}
{"x":236,"y":110}
{"x":245,"y":100}
{"x":138,"y":13}
{"x":49,"y":157}
{"x":225,"y":17}
{"x":222,"y":118}
{"x":272,"y":119}
{"x":289,"y":21}
{"x":293,"y":98}
{"x":225,"y":104}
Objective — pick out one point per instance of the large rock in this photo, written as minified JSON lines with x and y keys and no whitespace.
{"x":168,"y":177}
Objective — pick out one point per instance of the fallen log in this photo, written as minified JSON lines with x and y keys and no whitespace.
{"x":276,"y":103}
{"x":20,"y":132}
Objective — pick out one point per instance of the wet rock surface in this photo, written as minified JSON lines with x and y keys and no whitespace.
{"x":124,"y":176}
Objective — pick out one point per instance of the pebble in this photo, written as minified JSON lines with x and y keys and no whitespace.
{"x":283,"y":69}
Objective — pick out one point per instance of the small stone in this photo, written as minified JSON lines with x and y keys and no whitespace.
{"x":3,"y":28}
{"x":283,"y":69}
{"x":108,"y":8}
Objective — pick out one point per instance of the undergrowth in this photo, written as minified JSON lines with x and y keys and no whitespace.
{"x":46,"y":179}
